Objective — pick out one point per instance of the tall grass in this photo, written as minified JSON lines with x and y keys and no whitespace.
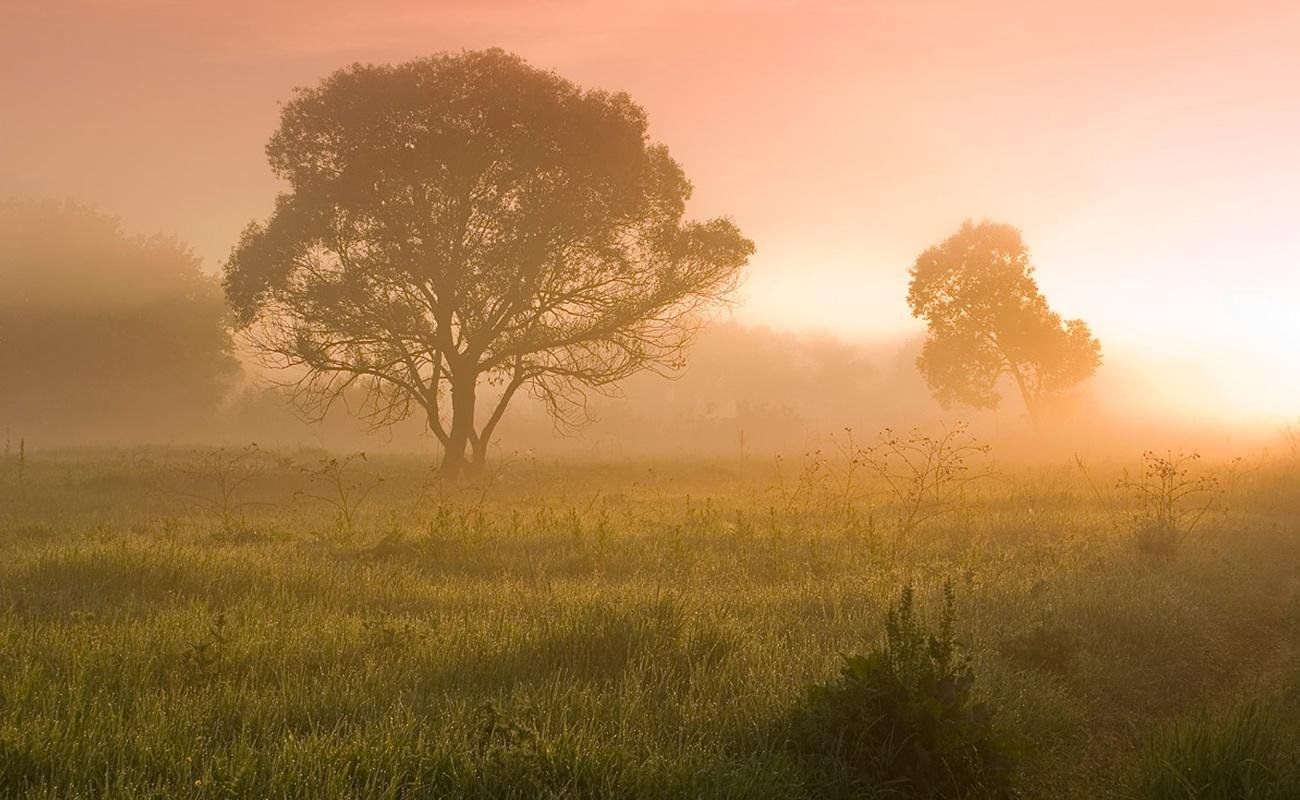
{"x":620,"y":630}
{"x":1249,"y":755}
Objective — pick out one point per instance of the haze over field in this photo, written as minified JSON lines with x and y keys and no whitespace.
{"x":1146,"y":150}
{"x":748,"y":399}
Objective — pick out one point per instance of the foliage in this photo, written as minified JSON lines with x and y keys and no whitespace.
{"x":469,"y":220}
{"x":1169,"y":502}
{"x":1249,"y":755}
{"x":101,"y":331}
{"x":903,"y":719}
{"x":988,"y":320}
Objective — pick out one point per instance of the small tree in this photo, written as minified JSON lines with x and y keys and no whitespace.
{"x":988,"y":320}
{"x":465,"y":220}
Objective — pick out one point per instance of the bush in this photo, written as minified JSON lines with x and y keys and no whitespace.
{"x":1167,"y":501}
{"x":902,"y":720}
{"x":1247,"y":756}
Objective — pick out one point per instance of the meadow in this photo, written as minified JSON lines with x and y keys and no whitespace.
{"x":235,"y":623}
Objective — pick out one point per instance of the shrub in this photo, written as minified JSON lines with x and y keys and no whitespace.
{"x":1169,"y":502}
{"x":902,"y":719}
{"x":926,"y":475}
{"x":1247,"y":756}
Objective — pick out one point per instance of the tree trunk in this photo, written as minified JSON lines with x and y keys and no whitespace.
{"x":479,"y":459}
{"x":1031,"y":402}
{"x":454,"y":461}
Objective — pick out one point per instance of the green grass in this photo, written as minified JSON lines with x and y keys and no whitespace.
{"x":570,"y":630}
{"x":1248,"y":755}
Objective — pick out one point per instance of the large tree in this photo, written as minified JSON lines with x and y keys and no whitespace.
{"x":103,"y":333}
{"x":469,"y":219}
{"x":988,"y":320}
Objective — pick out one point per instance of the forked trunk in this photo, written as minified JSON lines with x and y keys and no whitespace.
{"x":455,"y":462}
{"x":480,"y":451}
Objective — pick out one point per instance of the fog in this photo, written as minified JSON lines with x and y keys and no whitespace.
{"x":1153,"y":180}
{"x":85,"y":300}
{"x":763,"y":399}
{"x":800,"y":395}
{"x":1153,"y":176}
{"x":109,"y":337}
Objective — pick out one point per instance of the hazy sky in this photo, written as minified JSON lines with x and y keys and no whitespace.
{"x":1150,"y":151}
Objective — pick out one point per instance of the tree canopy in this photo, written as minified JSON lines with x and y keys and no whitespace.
{"x":469,"y":219}
{"x":102,"y":331}
{"x":988,"y":320}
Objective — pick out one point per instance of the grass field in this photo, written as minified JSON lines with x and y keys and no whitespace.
{"x":241,"y":624}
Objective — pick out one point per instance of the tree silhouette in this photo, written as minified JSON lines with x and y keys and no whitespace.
{"x":468,"y":220}
{"x":987,"y":319}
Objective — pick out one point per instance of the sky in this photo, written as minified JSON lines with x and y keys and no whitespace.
{"x":1149,"y":150}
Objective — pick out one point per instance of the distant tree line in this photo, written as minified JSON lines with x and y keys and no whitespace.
{"x":99,"y":326}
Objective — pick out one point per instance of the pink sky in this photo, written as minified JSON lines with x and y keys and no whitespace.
{"x":1149,"y":150}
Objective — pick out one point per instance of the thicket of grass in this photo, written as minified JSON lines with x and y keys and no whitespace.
{"x":1249,"y":754}
{"x":633,"y":630}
